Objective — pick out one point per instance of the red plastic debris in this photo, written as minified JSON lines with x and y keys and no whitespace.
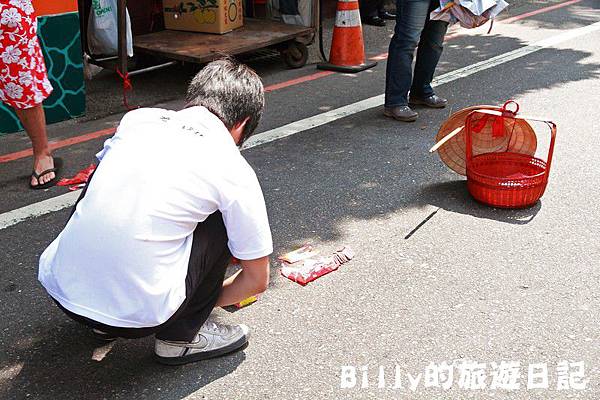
{"x":79,"y":180}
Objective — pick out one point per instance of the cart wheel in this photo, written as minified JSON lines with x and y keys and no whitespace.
{"x":295,"y":55}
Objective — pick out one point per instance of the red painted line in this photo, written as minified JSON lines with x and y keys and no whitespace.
{"x":276,"y":86}
{"x":539,"y":11}
{"x":58,"y":144}
{"x":292,"y":82}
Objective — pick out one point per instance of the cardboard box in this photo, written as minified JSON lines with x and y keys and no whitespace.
{"x":211,"y":16}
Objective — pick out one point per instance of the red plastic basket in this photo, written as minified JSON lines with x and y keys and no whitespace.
{"x":505,"y":179}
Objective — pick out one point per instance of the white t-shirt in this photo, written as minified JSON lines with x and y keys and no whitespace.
{"x":122,"y":258}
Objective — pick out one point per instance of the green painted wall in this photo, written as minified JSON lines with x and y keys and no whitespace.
{"x":60,"y":40}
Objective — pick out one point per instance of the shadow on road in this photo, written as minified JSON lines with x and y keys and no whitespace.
{"x":368,"y":167}
{"x":453,"y":196}
{"x":579,"y":14}
{"x":65,"y":362}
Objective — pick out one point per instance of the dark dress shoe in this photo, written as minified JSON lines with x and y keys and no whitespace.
{"x":387,"y":15}
{"x":400,"y":113}
{"x":432,"y":101}
{"x":375,"y":21}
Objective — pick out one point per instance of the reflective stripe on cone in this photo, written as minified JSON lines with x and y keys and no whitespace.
{"x":347,"y":52}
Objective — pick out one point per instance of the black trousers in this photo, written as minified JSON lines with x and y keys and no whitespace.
{"x":370,"y":8}
{"x":203,"y":284}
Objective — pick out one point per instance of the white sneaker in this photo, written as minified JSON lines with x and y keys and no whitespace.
{"x":212,"y":340}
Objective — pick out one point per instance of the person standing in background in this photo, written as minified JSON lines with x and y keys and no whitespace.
{"x":373,"y":12}
{"x":24,"y":84}
{"x":413,"y":29}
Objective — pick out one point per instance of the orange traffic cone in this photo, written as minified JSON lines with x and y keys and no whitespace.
{"x":347,"y":48}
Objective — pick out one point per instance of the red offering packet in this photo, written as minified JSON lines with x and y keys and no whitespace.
{"x":311,"y":269}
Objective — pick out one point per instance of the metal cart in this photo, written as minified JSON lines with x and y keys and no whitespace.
{"x":178,"y":46}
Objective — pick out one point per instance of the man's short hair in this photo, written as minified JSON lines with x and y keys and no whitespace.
{"x":230,"y":90}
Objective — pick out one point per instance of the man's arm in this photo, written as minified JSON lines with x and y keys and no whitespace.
{"x":252,"y":279}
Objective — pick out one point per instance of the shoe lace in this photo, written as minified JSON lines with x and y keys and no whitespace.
{"x":214,"y":327}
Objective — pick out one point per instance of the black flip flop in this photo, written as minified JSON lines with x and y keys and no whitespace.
{"x":58,"y":163}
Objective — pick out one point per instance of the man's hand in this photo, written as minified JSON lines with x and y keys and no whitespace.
{"x":252,"y":279}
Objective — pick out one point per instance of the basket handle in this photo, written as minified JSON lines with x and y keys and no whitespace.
{"x":503,"y":112}
{"x":505,"y":109}
{"x":552,"y":127}
{"x":469,"y":139}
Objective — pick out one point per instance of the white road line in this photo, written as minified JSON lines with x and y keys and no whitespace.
{"x":36,"y":209}
{"x":312,"y":122}
{"x":66,"y":200}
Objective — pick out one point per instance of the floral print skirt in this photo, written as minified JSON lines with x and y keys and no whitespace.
{"x":23,"y":79}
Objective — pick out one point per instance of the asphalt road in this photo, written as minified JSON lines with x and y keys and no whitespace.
{"x":472,"y":283}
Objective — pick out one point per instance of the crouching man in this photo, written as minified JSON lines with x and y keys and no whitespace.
{"x":146,"y":248}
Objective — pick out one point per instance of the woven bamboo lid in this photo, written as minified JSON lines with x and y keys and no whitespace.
{"x":522,"y":140}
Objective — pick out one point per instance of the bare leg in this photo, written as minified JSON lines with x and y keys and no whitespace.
{"x":34,"y":121}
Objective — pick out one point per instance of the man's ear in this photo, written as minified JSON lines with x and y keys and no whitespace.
{"x":237,"y":131}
